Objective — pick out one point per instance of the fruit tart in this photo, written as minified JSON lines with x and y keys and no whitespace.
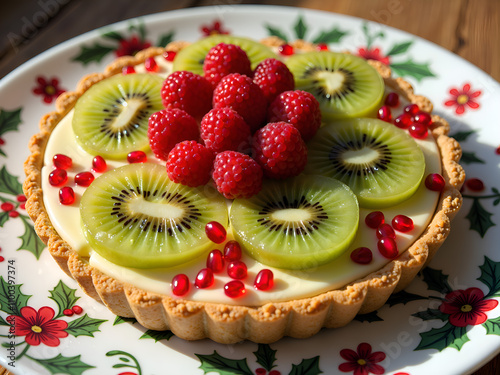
{"x":221,"y":189}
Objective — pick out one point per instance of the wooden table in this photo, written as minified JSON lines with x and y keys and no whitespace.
{"x":468,"y":28}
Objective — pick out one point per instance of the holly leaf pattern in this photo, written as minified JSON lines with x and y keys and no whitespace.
{"x":300,"y":28}
{"x":121,"y":319}
{"x":265,"y":356}
{"x":471,"y":158}
{"x":274,"y":31}
{"x":463,"y":136}
{"x":9,"y":183}
{"x":436,"y":280}
{"x":9,"y":120}
{"x":334,"y":35}
{"x":64,"y":297}
{"x":490,"y":276}
{"x":447,"y":336}
{"x":403,"y":297}
{"x":492,"y":326}
{"x":412,"y":69}
{"x":223,"y":366}
{"x":307,"y":367}
{"x":12,"y":300}
{"x":157,"y":335}
{"x":113,"y":35}
{"x":399,"y":48}
{"x":431,"y":314}
{"x":479,"y":218}
{"x":370,"y":317}
{"x":84,"y":326}
{"x":94,"y":53}
{"x":30,"y":240}
{"x":165,"y":39}
{"x":64,"y":365}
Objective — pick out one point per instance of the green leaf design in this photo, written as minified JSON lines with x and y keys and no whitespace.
{"x":431,"y":314}
{"x":9,"y":183}
{"x":157,"y":335}
{"x":447,"y":336}
{"x":470,"y":158}
{"x":113,"y":35}
{"x":479,"y":218}
{"x":436,"y":280}
{"x":399,"y":48}
{"x":223,"y":366}
{"x":165,"y":39}
{"x":273,"y":31}
{"x":370,"y":317}
{"x":64,"y":297}
{"x":121,"y":319}
{"x":492,"y":326}
{"x":266,"y":356}
{"x":9,"y":120}
{"x":307,"y":367}
{"x":403,"y":297}
{"x":490,"y":276}
{"x":64,"y":365}
{"x":463,"y":136}
{"x":94,"y":53}
{"x":84,"y":326}
{"x":333,"y":35}
{"x":30,"y":240}
{"x":12,"y":300}
{"x":126,"y":359}
{"x":412,"y":69}
{"x":300,"y":28}
{"x":4,"y":217}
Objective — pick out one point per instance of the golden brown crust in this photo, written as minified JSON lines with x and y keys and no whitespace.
{"x":230,"y":324}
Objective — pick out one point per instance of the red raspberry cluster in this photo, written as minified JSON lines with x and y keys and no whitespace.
{"x":252,"y":124}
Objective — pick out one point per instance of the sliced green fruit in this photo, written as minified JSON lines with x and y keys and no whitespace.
{"x":191,"y":58}
{"x":345,"y":85}
{"x":381,"y":163}
{"x":135,"y":216}
{"x":298,"y":223}
{"x":111,"y":118}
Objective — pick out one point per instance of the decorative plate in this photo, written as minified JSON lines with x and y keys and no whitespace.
{"x":448,"y":319}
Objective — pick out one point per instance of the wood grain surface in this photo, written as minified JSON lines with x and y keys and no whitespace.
{"x":467,"y":28}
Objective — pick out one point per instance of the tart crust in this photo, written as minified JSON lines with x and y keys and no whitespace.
{"x":227,"y":323}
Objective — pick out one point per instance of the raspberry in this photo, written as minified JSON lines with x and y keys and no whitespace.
{"x":240,"y":93}
{"x":188,"y":91}
{"x":224,"y":129}
{"x":224,"y":59}
{"x":299,"y":108}
{"x":169,"y":127}
{"x":236,"y":175}
{"x":190,"y":163}
{"x":280,"y":150}
{"x":273,"y":77}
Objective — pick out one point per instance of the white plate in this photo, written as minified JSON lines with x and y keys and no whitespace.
{"x":411,"y":341}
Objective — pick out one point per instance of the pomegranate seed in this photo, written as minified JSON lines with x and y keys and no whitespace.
{"x":403,"y":121}
{"x":402,"y":223}
{"x":84,"y":178}
{"x":215,"y":261}
{"x":423,"y":118}
{"x":2,"y":259}
{"x":215,"y":232}
{"x":234,"y":289}
{"x":169,"y":55}
{"x":58,"y":177}
{"x":232,"y":251}
{"x":322,"y":47}
{"x":99,"y":165}
{"x":388,"y":248}
{"x":474,"y":184}
{"x":286,"y":50}
{"x":77,"y":309}
{"x":392,"y":99}
{"x":13,"y":214}
{"x":204,"y":279}
{"x":412,"y":109}
{"x":62,"y":161}
{"x":7,"y":206}
{"x":361,"y":255}
{"x":237,"y":270}
{"x":151,"y":65}
{"x":418,"y":131}
{"x":264,"y":280}
{"x":128,"y":70}
{"x":384,"y":113}
{"x":434,"y":182}
{"x":374,"y":219}
{"x":66,"y":196}
{"x":385,"y":230}
{"x":68,"y":312}
{"x":21,"y":198}
{"x":137,"y":157}
{"x":180,"y":284}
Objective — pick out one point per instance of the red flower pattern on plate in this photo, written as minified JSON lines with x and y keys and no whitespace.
{"x":463,"y":98}
{"x":48,"y":88}
{"x":362,"y":361}
{"x":213,"y":29}
{"x":467,"y":307}
{"x":39,"y":327}
{"x":129,"y":47}
{"x":373,"y":54}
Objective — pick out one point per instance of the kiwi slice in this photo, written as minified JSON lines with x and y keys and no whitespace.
{"x":135,"y":216}
{"x":299,"y":223}
{"x":191,"y":58}
{"x":345,"y":85}
{"x":381,"y":163}
{"x":111,"y":117}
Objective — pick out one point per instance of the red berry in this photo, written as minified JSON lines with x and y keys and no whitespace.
{"x":215,"y":261}
{"x":13,"y":214}
{"x":151,"y":65}
{"x":280,"y":150}
{"x":392,"y":99}
{"x":273,"y":77}
{"x":237,"y":270}
{"x":66,"y":196}
{"x":58,"y":177}
{"x":497,"y":150}
{"x":62,"y":161}
{"x":385,"y":230}
{"x":299,"y":108}
{"x":99,"y":165}
{"x":1,"y":257}
{"x":6,"y":206}
{"x":403,"y":121}
{"x":474,"y":184}
{"x":204,"y":278}
{"x":422,"y":118}
{"x":374,"y":219}
{"x":21,"y":198}
{"x":418,"y":131}
{"x":274,"y":372}
{"x":190,"y":163}
{"x":77,"y":309}
{"x":215,"y":232}
{"x":68,"y":312}
{"x":187,"y":91}
{"x":128,"y":70}
{"x":286,"y":50}
{"x":84,"y":178}
{"x":264,"y":280}
{"x":236,"y":175}
{"x":137,"y":157}
{"x":435,"y":182}
{"x":240,"y":93}
{"x":223,"y":129}
{"x":224,"y":59}
{"x":261,"y":371}
{"x":234,"y":289}
{"x":361,"y":255}
{"x":232,"y":251}
{"x":180,"y":285}
{"x":388,"y":248}
{"x":412,"y":109}
{"x":402,"y":223}
{"x":384,"y":113}
{"x":169,"y":55}
{"x":168,"y":127}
